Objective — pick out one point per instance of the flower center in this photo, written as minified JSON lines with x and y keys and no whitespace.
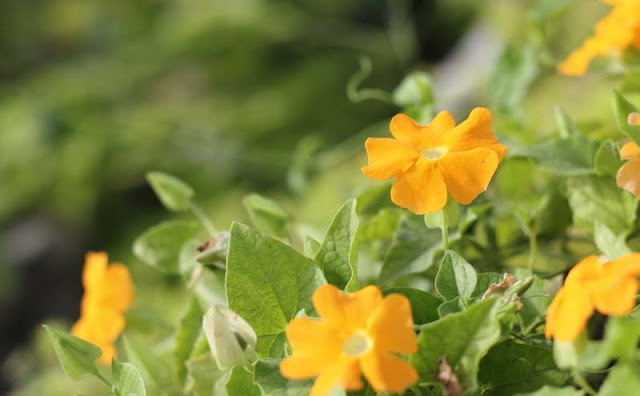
{"x":357,"y":344}
{"x":434,"y":153}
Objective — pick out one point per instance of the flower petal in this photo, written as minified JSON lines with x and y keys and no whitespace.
{"x":628,"y":177}
{"x":117,"y":291}
{"x":391,"y":326}
{"x":468,"y":173}
{"x":433,"y":134}
{"x":388,"y":373}
{"x":343,"y":372}
{"x":568,"y":313}
{"x":589,"y":268}
{"x":421,"y":189}
{"x":388,"y":158}
{"x":95,"y":266}
{"x":315,"y":347}
{"x":627,"y":265}
{"x":630,"y":151}
{"x":616,"y":297}
{"x":405,"y":129}
{"x":474,"y":132}
{"x":346,"y":311}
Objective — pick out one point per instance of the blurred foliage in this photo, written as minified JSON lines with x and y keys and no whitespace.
{"x":249,"y":95}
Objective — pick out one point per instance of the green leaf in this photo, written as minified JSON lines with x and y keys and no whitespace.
{"x":456,"y":277}
{"x":203,"y":375}
{"x":267,"y":375}
{"x":153,"y":368}
{"x":186,"y":337}
{"x":240,"y":383}
{"x":371,"y":200}
{"x":568,"y":156}
{"x":484,"y":280}
{"x":464,"y":337}
{"x":76,"y":356}
{"x":450,"y":307}
{"x":621,"y":109}
{"x":535,"y":302}
{"x":424,"y":305}
{"x":411,"y":251}
{"x":173,"y":193}
{"x":337,"y":257}
{"x":126,"y":380}
{"x":610,"y":244}
{"x":592,"y":199}
{"x":512,"y":76}
{"x":380,"y":226}
{"x":608,"y":161}
{"x":160,"y":246}
{"x":620,"y":340}
{"x":450,"y":213}
{"x":552,"y":391}
{"x":267,"y":215}
{"x":509,"y":368}
{"x":311,"y":247}
{"x":623,"y":379}
{"x":566,"y":125}
{"x":414,"y":95}
{"x":267,"y":283}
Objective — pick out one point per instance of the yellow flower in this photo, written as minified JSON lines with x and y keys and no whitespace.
{"x":108,"y":292}
{"x":614,"y":33}
{"x":628,"y":176}
{"x":608,"y":287}
{"x":432,"y":159}
{"x":358,"y":333}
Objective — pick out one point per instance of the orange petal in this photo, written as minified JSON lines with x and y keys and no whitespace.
{"x":388,"y":158}
{"x":624,"y":266}
{"x":95,"y":265}
{"x":343,"y":372}
{"x":387,"y":373}
{"x":108,"y":353}
{"x":616,"y":298}
{"x":474,"y":132}
{"x":421,"y":189}
{"x":630,"y":150}
{"x":628,"y":177}
{"x":391,"y":326}
{"x":346,"y":310}
{"x":117,"y":290}
{"x":468,"y":173}
{"x":568,"y":313}
{"x":315,"y":347}
{"x":405,"y":129}
{"x":433,"y":133}
{"x":589,"y":268}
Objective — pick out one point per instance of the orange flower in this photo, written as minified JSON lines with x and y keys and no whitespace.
{"x":108,"y":292}
{"x":608,"y":287}
{"x":358,"y":333}
{"x":432,"y":159}
{"x":615,"y":32}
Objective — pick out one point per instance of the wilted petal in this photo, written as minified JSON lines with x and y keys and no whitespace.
{"x":628,"y":177}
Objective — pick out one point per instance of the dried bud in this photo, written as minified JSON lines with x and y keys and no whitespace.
{"x":231,"y":339}
{"x":214,"y":251}
{"x":448,"y":378}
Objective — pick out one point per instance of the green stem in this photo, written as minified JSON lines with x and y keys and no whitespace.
{"x":445,"y":230}
{"x":103,"y":379}
{"x":580,"y":380}
{"x":533,"y":247}
{"x":199,"y":213}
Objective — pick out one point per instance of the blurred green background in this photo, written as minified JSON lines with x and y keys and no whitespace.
{"x":231,"y":96}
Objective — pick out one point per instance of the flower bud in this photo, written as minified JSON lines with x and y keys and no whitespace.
{"x":231,"y":339}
